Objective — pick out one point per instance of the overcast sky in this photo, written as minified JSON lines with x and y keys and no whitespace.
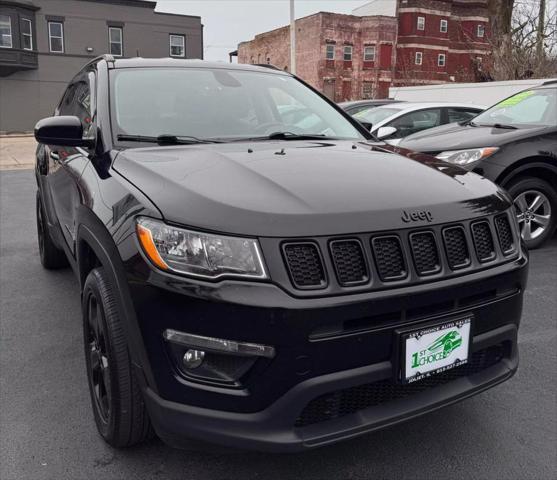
{"x":229,"y":22}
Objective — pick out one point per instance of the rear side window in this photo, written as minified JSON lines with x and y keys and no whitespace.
{"x":416,"y":122}
{"x":461,"y":114}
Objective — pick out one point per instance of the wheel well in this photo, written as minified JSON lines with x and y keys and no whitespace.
{"x":87,"y":261}
{"x":541,"y":168}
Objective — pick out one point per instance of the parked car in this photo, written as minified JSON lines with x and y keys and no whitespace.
{"x":513,"y":143}
{"x":356,"y":106}
{"x":392,"y":123}
{"x":261,"y":285}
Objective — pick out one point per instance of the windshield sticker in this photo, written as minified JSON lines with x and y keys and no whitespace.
{"x":516,"y":99}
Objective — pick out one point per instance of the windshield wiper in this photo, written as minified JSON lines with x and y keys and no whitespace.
{"x":286,"y":136}
{"x":166,"y":139}
{"x":498,"y":125}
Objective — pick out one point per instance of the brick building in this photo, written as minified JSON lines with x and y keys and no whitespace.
{"x":383,"y":43}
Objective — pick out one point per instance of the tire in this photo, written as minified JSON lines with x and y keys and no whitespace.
{"x":537,"y":219}
{"x":116,"y":398}
{"x":51,"y":256}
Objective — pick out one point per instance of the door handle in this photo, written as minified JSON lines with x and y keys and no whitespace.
{"x":55,"y":156}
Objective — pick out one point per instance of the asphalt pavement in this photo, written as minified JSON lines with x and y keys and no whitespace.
{"x":47,"y":429}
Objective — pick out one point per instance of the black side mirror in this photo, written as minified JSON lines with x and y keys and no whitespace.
{"x":64,"y":131}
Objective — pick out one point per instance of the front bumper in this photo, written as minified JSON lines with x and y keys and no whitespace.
{"x":323,"y":345}
{"x":272,"y":428}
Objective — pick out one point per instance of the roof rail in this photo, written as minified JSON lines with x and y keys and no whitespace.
{"x":267,"y":65}
{"x":107,"y":57}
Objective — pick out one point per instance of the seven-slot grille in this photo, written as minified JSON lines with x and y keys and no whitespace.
{"x":485,"y":248}
{"x":389,"y":258}
{"x":439,"y":249}
{"x":305,"y":265}
{"x":425,"y":253}
{"x":505,"y":234}
{"x":350,"y":265}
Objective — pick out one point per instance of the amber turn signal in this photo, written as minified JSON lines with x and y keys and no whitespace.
{"x":148,"y":244}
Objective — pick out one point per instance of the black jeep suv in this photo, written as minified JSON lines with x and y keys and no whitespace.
{"x":514,"y":144}
{"x":260,"y":283}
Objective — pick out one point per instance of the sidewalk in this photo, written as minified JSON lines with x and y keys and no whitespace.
{"x":17,"y":152}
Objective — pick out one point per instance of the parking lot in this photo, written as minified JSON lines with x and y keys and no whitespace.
{"x":47,"y":428}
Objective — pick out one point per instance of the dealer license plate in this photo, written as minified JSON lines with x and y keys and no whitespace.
{"x":435,"y":349}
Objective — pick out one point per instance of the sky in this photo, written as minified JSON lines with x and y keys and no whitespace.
{"x":229,"y":22}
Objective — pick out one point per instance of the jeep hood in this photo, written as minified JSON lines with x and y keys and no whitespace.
{"x":302,"y":188}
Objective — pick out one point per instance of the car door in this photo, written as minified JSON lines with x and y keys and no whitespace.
{"x":413,"y":122}
{"x":65,"y":164}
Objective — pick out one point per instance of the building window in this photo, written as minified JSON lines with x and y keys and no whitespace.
{"x":369,"y":54}
{"x":178,"y":46}
{"x":481,"y":31}
{"x":115,"y":41}
{"x":5,"y":31}
{"x":441,"y":59}
{"x":418,"y":59}
{"x":56,"y":37}
{"x":330,"y":52}
{"x":421,"y":23}
{"x":26,"y":34}
{"x":443,"y":26}
{"x":368,"y":90}
{"x":348,"y":53}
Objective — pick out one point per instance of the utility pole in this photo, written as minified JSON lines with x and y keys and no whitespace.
{"x":541,"y":32}
{"x":292,"y":38}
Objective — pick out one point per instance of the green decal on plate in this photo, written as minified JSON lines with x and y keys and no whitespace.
{"x":440,"y":349}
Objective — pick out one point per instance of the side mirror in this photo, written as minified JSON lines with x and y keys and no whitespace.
{"x":384,"y":132}
{"x":64,"y":131}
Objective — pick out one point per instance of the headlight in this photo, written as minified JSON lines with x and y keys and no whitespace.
{"x":465,"y":157}
{"x":199,"y":254}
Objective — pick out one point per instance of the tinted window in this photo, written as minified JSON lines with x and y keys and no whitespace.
{"x":82,"y":104}
{"x":531,"y":107}
{"x":416,"y":122}
{"x":77,"y":102}
{"x":359,"y":108}
{"x":66,"y":105}
{"x":461,"y":114}
{"x":375,"y":115}
{"x":219,"y":103}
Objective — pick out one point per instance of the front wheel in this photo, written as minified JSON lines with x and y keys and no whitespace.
{"x":118,"y":406}
{"x":535,"y":203}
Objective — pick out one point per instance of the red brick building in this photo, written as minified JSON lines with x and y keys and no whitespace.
{"x":384,"y":43}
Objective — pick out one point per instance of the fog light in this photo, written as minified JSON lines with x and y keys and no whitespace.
{"x":193,"y":359}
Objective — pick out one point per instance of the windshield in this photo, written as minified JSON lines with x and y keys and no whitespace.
{"x":529,"y":108}
{"x":374,"y":115}
{"x":219,"y":104}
